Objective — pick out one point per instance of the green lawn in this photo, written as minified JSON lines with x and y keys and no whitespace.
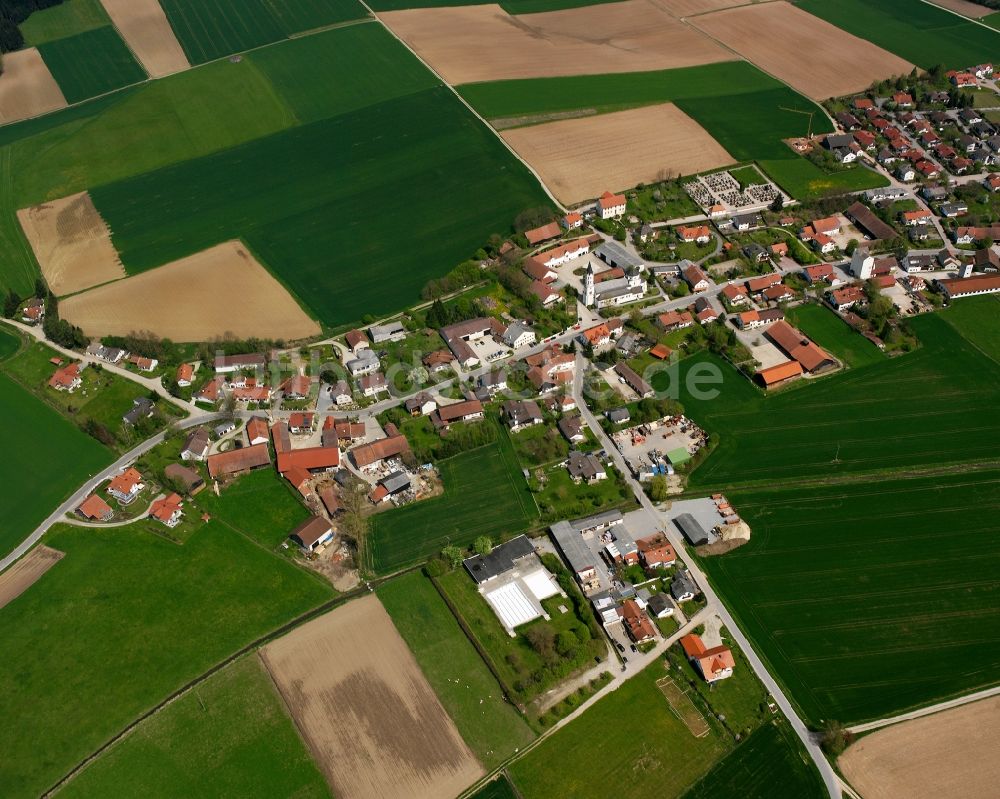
{"x":771,"y":757}
{"x":61,"y":458}
{"x":231,"y":736}
{"x":66,"y":19}
{"x":823,"y":326}
{"x":103,"y":396}
{"x":839,"y":581}
{"x":921,"y":33}
{"x":803,"y":180}
{"x":120,"y":622}
{"x":561,"y":498}
{"x":490,"y":725}
{"x":627,"y":745}
{"x":261,"y":505}
{"x":922,"y":409}
{"x":91,"y":63}
{"x":484,"y":494}
{"x":976,"y":319}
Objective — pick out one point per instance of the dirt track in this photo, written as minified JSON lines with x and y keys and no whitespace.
{"x":953,"y":753}
{"x":23,"y":574}
{"x":72,"y":243}
{"x":219,"y":291}
{"x":27,"y":88}
{"x":811,"y":55}
{"x":581,"y":158}
{"x":372,"y":722}
{"x":144,"y":26}
{"x":476,"y":43}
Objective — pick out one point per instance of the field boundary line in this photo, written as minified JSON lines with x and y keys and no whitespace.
{"x":471,"y":110}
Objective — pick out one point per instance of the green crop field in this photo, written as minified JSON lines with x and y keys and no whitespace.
{"x":627,"y":745}
{"x":993,"y":20}
{"x":261,"y":505}
{"x":510,"y":6}
{"x":120,"y":622}
{"x":378,"y":67}
{"x":66,"y":19}
{"x":745,"y":110}
{"x":870,"y":598}
{"x":922,"y":409}
{"x":490,"y":725}
{"x":500,"y":788}
{"x":823,"y":326}
{"x":919,"y":32}
{"x":231,"y":736}
{"x":91,"y":63}
{"x":484,"y":494}
{"x":62,"y":457}
{"x":769,"y":761}
{"x":210,"y":29}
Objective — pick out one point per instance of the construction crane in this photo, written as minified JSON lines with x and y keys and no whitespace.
{"x":811,"y":114}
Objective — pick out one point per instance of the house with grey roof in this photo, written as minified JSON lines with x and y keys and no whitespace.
{"x":682,"y":587}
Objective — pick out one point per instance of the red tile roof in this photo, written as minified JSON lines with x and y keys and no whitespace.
{"x":309,"y":458}
{"x":223,"y":464}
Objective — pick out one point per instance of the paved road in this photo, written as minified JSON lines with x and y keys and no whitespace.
{"x":926,"y":711}
{"x":151,"y":383}
{"x":73,"y":502}
{"x":713,"y":601}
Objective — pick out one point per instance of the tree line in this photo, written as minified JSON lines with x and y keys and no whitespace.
{"x":12,"y":14}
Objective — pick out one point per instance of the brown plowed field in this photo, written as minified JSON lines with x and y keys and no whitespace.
{"x":27,"y":88}
{"x":811,"y":55}
{"x":144,"y":26}
{"x":214,"y":293}
{"x":952,"y":753}
{"x":372,"y":722}
{"x":477,"y":43}
{"x":72,"y":243}
{"x":26,"y":572}
{"x":581,"y":158}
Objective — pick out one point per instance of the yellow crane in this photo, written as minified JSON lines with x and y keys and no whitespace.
{"x":810,"y":114}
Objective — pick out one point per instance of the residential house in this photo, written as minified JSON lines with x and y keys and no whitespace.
{"x":571,"y":221}
{"x":356,"y":340}
{"x":492,"y":383}
{"x":420,"y":405}
{"x":674,"y":320}
{"x":438,"y":361}
{"x":67,"y":378}
{"x":618,"y":415}
{"x":372,"y":385}
{"x":108,"y":354}
{"x":521,"y":414}
{"x":185,"y":373}
{"x":551,"y":369}
{"x":696,"y":278}
{"x":95,"y":509}
{"x":734,"y":294}
{"x":464,"y":411}
{"x":656,"y":552}
{"x":296,"y":387}
{"x":210,"y":392}
{"x":713,"y":664}
{"x":748,"y":320}
{"x":167,"y":510}
{"x":682,"y":586}
{"x":340,"y":393}
{"x":301,"y":423}
{"x":518,"y":335}
{"x":196,"y":445}
{"x":637,"y":624}
{"x":701,"y":234}
{"x":660,"y":606}
{"x":142,"y":408}
{"x":142,"y":363}
{"x":585,"y":467}
{"x":847,"y":297}
{"x":610,"y":206}
{"x":572,"y":428}
{"x":366,"y":363}
{"x":125,"y":487}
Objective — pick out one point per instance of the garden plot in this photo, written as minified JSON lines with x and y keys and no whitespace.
{"x":480,"y":43}
{"x":365,"y":709}
{"x":813,"y":56}
{"x":27,"y":88}
{"x":72,"y":243}
{"x":220,"y":291}
{"x":26,"y":572}
{"x":580,"y":158}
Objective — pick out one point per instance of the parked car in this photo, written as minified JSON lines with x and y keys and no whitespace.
{"x":621,"y":647}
